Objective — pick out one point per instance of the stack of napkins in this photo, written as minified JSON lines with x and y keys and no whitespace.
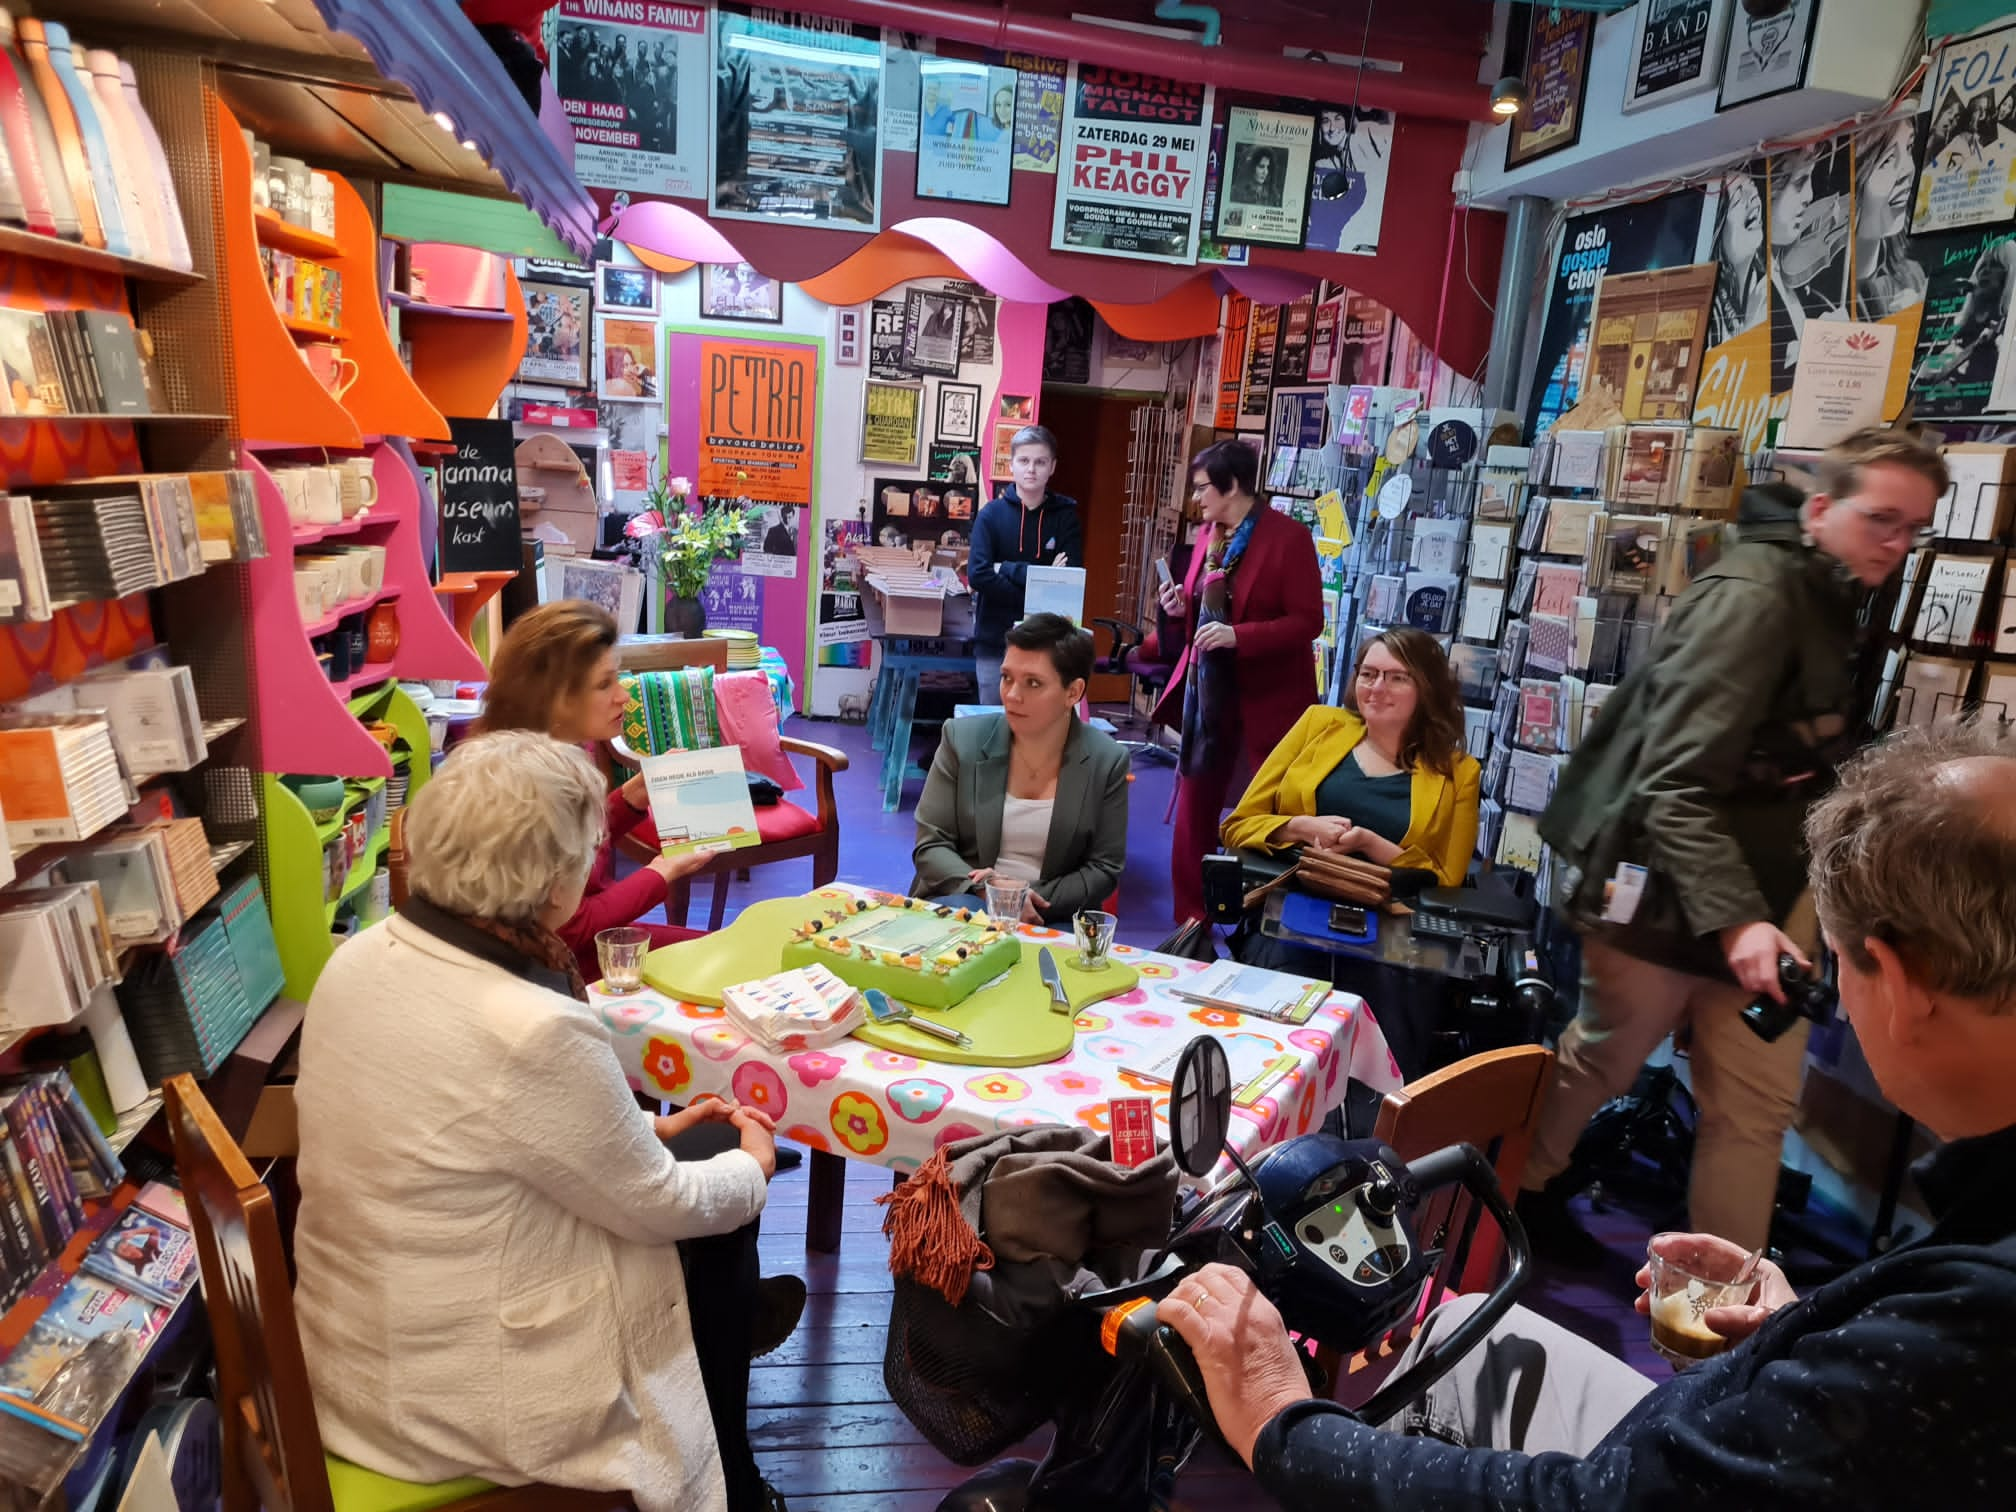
{"x":795,"y":1010}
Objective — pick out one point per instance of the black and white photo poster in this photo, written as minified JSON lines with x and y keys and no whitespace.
{"x":1134,"y":155}
{"x":1347,"y":179}
{"x":932,"y":324}
{"x":797,"y":106}
{"x":1264,"y":196}
{"x":1678,"y":51}
{"x":885,"y":341}
{"x":1768,"y":47}
{"x":1969,"y":177}
{"x":1963,"y":364}
{"x":632,"y":78}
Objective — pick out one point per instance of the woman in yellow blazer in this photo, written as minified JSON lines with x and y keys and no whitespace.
{"x":1386,"y":778}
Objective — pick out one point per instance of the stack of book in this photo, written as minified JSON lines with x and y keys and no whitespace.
{"x":55,"y":952}
{"x":227,"y":516}
{"x":188,"y":1011}
{"x":71,"y":362}
{"x":96,"y":548}
{"x":59,"y":777}
{"x":52,"y":1155}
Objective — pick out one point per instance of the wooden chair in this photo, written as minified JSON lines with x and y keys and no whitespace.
{"x":273,"y":1454}
{"x":667,"y":653}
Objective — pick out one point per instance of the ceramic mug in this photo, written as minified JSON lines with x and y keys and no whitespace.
{"x":293,"y":489}
{"x":382,"y":631}
{"x":370,"y":566}
{"x":360,"y":485}
{"x":322,"y":495}
{"x":331,"y":368}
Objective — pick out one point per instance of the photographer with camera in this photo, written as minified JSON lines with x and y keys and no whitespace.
{"x":1879,"y":1390}
{"x":1676,"y":827}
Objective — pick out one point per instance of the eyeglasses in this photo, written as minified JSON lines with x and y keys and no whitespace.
{"x":1371,"y":677}
{"x":1891,"y":527}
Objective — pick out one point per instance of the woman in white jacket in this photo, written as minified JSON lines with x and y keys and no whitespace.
{"x":492,"y":1232}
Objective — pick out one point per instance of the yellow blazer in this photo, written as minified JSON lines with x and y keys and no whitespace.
{"x":1441,"y":829}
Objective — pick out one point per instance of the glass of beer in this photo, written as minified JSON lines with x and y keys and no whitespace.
{"x":1692,"y":1273}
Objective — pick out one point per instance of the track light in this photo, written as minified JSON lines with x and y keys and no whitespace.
{"x":1508,"y":97}
{"x":444,"y":120}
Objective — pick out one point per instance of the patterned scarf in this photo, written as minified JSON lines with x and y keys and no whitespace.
{"x":1211,"y":725}
{"x":537,"y":944}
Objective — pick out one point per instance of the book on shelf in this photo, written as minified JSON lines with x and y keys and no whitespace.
{"x":33,"y":383}
{"x":248,"y":930}
{"x":1252,"y":989}
{"x":1567,"y":531}
{"x":152,"y":711}
{"x":131,"y":870}
{"x":97,"y":547}
{"x":228,"y":527}
{"x":24,"y":584}
{"x":700,"y":800}
{"x":95,"y":1168}
{"x":59,"y":777}
{"x":85,"y":1309}
{"x":55,"y":954}
{"x":150,"y":1251}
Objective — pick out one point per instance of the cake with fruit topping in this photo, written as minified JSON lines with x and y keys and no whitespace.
{"x":927,"y":954}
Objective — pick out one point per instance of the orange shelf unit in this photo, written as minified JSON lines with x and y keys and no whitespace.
{"x":468,"y":593}
{"x":277,"y":232}
{"x":463,"y":365}
{"x":300,"y":327}
{"x":385,"y":400}
{"x":278,"y":397}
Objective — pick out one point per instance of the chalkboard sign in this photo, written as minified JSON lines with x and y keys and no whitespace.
{"x":479,"y":499}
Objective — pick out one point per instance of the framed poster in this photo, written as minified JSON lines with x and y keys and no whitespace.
{"x":934,"y":322}
{"x":1135,"y":153}
{"x":890,"y":413}
{"x":1347,"y":179}
{"x":758,"y":414}
{"x":1969,"y":176}
{"x":1263,"y":199}
{"x":1039,"y":109}
{"x":1557,"y":79}
{"x":736,"y":291}
{"x":966,"y":137}
{"x":1767,"y":53}
{"x":632,"y":81}
{"x":556,"y":333}
{"x":797,"y":109}
{"x":1677,"y":52}
{"x":959,"y":413}
{"x":629,"y":360}
{"x":631,"y":290}
{"x":954,"y":464}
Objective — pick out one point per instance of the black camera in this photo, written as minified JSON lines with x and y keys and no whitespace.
{"x":1806,"y":997}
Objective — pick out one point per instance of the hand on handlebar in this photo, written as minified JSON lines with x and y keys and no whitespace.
{"x":1251,"y":1371}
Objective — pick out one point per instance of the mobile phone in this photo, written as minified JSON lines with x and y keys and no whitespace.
{"x":1346,"y":920}
{"x":1162,"y":571}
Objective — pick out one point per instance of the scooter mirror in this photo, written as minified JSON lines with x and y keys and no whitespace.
{"x":1200,"y":1106}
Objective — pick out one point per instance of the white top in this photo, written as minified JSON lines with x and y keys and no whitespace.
{"x":489,"y":1279}
{"x":1025,"y":832}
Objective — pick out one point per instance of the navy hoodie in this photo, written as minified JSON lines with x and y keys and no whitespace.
{"x":1006,"y":539}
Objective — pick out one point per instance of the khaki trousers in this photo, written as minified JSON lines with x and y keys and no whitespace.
{"x":1747,"y":1089}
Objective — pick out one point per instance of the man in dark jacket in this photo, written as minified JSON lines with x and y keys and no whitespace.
{"x":1676,"y":826}
{"x":1882,"y":1390}
{"x":1026,"y":525}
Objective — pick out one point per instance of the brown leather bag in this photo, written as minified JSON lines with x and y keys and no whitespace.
{"x":1345,"y":879}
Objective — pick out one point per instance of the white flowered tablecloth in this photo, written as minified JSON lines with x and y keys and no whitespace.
{"x":894,"y":1110}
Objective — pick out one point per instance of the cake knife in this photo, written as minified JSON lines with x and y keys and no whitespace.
{"x":1047,"y":964}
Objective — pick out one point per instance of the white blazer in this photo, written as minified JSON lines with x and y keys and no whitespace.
{"x":487,"y":1279}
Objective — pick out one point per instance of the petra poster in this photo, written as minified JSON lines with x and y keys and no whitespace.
{"x":758,"y":414}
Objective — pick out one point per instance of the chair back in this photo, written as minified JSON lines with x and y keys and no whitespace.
{"x":669,"y":653}
{"x":1492,"y":1101}
{"x":272,"y":1447}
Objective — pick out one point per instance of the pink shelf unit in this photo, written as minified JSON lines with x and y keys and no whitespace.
{"x":305,"y":725}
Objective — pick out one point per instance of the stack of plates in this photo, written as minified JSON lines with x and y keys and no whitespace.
{"x":744,"y":655}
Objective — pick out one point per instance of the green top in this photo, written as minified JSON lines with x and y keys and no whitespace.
{"x":1384,"y":805}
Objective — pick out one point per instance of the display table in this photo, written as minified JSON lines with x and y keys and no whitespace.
{"x":852,"y":1101}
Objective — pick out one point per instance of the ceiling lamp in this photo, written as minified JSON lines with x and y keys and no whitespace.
{"x":1508,"y":97}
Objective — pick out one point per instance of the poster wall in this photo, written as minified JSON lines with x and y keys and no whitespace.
{"x":632,"y":78}
{"x":1365,"y":341}
{"x":1264,"y":195}
{"x":1134,"y":157}
{"x":1039,"y":109}
{"x":1347,"y":179}
{"x":840,"y":635}
{"x":797,"y":104}
{"x":1969,"y":178}
{"x":758,"y":412}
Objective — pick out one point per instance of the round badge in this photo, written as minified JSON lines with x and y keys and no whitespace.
{"x":1451,"y":444}
{"x":1394,"y":494}
{"x":1401,"y":441}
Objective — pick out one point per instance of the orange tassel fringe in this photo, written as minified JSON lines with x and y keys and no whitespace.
{"x":930,"y":1241}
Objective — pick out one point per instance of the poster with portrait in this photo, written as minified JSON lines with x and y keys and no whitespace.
{"x":1134,"y":157}
{"x":629,"y":360}
{"x":1347,"y":179}
{"x":632,"y":80}
{"x":1209,"y":248}
{"x":1889,"y":269}
{"x":1291,"y":347}
{"x":1039,"y":108}
{"x":1969,"y":177}
{"x":841,"y":633}
{"x":966,"y":140}
{"x":732,"y":598}
{"x":890,"y":416}
{"x":1324,"y":331}
{"x":1264,"y":197}
{"x":1767,"y":52}
{"x":958,"y":413}
{"x":736,"y":291}
{"x":1364,"y":341}
{"x":1556,"y":78}
{"x":952,"y":463}
{"x":933,"y":324}
{"x":556,"y":333}
{"x":758,"y":414}
{"x":885,"y":341}
{"x":797,"y":101}
{"x":1067,"y":342}
{"x":976,"y":325}
{"x":1264,"y":333}
{"x":770,"y":545}
{"x":1963,"y":364}
{"x":634,"y":291}
{"x":1677,"y":52}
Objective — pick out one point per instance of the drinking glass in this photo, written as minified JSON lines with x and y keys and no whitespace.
{"x":621,"y":952}
{"x":1094,"y":930}
{"x":1690,"y":1276}
{"x":1005,"y":899}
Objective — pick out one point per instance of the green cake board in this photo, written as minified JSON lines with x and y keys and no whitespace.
{"x":1009,"y":1023}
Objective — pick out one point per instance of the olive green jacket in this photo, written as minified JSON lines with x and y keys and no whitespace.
{"x":1701,"y":767}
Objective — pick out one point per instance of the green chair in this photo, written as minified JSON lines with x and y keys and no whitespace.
{"x":273,"y":1455}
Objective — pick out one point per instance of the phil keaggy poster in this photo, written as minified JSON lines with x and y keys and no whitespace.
{"x":1134,"y":156}
{"x":632,"y":77}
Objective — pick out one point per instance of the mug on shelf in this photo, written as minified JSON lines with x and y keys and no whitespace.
{"x":371,"y":561}
{"x":382,"y":632}
{"x":331,"y":368}
{"x":322,"y":495}
{"x":360,"y":484}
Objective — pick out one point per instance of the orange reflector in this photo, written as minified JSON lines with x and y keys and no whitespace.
{"x":1109,"y":1330}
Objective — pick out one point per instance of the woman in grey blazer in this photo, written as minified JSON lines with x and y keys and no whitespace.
{"x":1030,"y":793}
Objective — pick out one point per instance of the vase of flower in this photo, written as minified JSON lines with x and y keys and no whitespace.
{"x":685,"y":616}
{"x":684,"y":547}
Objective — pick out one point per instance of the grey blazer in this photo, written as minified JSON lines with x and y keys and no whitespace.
{"x":959,"y":816}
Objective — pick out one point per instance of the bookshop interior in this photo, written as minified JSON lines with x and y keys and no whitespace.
{"x":1335,"y":678}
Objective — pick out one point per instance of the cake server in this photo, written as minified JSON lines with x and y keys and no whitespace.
{"x":1060,"y":1001}
{"x":886,"y":1010}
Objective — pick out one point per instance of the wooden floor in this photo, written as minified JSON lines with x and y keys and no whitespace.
{"x":825,"y":1432}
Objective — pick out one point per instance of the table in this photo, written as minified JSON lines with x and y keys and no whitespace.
{"x":851,"y":1101}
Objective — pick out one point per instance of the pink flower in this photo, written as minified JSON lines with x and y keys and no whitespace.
{"x":680,"y":487}
{"x":1072,"y":1082}
{"x":646,"y":522}
{"x":815,"y":1067}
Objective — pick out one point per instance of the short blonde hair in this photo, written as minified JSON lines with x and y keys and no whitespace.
{"x":507,"y":819}
{"x":1842,"y":464}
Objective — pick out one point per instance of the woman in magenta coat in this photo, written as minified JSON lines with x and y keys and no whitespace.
{"x":1248,"y":614}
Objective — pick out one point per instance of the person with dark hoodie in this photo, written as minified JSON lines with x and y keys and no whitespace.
{"x":1025,"y":525}
{"x":1677,"y":828}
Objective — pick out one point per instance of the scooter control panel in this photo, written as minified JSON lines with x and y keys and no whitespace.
{"x":1357,"y":1233}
